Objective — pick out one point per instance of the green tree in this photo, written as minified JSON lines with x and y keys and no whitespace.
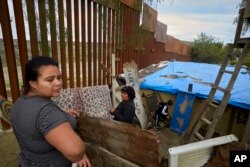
{"x":207,"y":49}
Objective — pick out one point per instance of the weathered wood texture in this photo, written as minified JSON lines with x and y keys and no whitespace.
{"x":124,"y":140}
{"x":100,"y":157}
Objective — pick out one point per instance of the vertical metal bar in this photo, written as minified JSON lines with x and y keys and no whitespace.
{"x":23,"y":53}
{"x":109,"y":46}
{"x":2,"y":83}
{"x":137,"y":42}
{"x":113,"y":24}
{"x":122,"y":45}
{"x":62,"y":43}
{"x":100,"y":18}
{"x":43,"y":27}
{"x":77,"y":50}
{"x":104,"y":43}
{"x":9,"y":49}
{"x":52,"y":20}
{"x":70,"y":45}
{"x":32,"y":27}
{"x":89,"y":43}
{"x":84,"y":63}
{"x":117,"y":36}
{"x":95,"y":43}
{"x":127,"y":35}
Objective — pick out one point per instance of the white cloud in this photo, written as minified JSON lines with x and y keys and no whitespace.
{"x":187,"y":27}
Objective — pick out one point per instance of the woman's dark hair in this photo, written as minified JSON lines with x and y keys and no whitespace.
{"x":130,"y":91}
{"x":32,"y":69}
{"x":170,"y":102}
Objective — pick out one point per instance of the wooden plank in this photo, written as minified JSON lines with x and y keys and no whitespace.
{"x":32,"y":27}
{"x":43,"y":28}
{"x":9,"y":49}
{"x":239,"y":25}
{"x":100,"y":59}
{"x":95,"y":43}
{"x":62,"y":43}
{"x":246,"y":135}
{"x":23,"y":53}
{"x":53,"y":34}
{"x":2,"y":83}
{"x":122,"y":139}
{"x":77,"y":49}
{"x":84,"y":63}
{"x":70,"y":45}
{"x":89,"y":43}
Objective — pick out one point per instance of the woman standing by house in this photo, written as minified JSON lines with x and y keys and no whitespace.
{"x":44,"y":132}
{"x":125,"y":111}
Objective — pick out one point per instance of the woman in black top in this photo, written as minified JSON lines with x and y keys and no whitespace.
{"x":125,"y":111}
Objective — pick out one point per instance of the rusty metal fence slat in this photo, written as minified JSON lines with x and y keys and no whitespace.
{"x":32,"y":27}
{"x":95,"y":43}
{"x":84,"y":63}
{"x":100,"y":72}
{"x":70,"y":45}
{"x":62,"y":43}
{"x":2,"y":81}
{"x":43,"y":28}
{"x":77,"y":49}
{"x":89,"y":43}
{"x":52,"y":20}
{"x":9,"y":49}
{"x":23,"y":53}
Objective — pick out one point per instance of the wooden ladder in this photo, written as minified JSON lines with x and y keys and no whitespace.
{"x":211,"y":111}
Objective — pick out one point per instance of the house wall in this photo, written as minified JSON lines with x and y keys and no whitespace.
{"x":233,"y":121}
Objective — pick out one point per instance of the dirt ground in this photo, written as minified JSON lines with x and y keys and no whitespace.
{"x":9,"y":150}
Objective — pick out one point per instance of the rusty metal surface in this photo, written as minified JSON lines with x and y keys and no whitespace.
{"x":20,"y":34}
{"x":104,"y":60}
{"x":9,"y":49}
{"x":135,"y":4}
{"x":149,"y":19}
{"x":62,"y":43}
{"x":43,"y":27}
{"x":32,"y":27}
{"x":124,"y":140}
{"x":95,"y":44}
{"x":70,"y":45}
{"x":100,"y":72}
{"x":89,"y":15}
{"x":2,"y":83}
{"x":116,"y":31}
{"x":84,"y":69}
{"x":109,"y":28}
{"x":52,"y":20}
{"x":77,"y":48}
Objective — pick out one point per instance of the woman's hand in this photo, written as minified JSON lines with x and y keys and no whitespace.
{"x":72,"y":112}
{"x":112,"y":110}
{"x":84,"y":162}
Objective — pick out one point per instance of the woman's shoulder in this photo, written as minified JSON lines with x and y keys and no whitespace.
{"x":33,"y":101}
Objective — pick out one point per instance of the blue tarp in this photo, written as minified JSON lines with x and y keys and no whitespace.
{"x":176,"y":76}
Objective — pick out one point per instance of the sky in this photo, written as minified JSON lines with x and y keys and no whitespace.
{"x":188,"y":18}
